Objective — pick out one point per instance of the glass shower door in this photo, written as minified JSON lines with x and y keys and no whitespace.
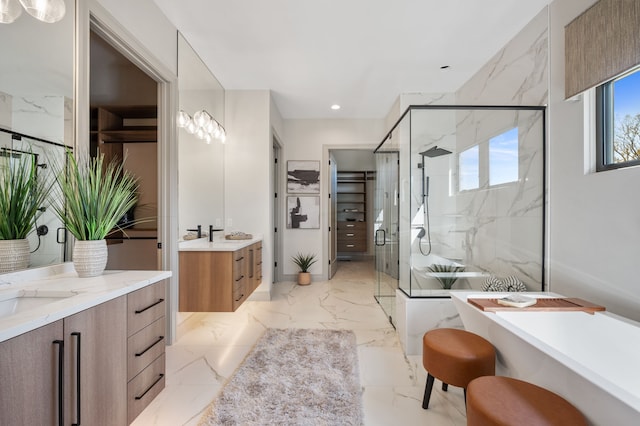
{"x":386,"y":213}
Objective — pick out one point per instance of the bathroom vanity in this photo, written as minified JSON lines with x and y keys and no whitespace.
{"x":75,"y":350}
{"x":218,"y":276}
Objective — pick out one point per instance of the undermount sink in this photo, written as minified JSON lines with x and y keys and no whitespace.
{"x":13,"y":302}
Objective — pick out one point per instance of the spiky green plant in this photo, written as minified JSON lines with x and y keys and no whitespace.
{"x":94,"y":196}
{"x":446,"y":282}
{"x":22,"y":192}
{"x":304,"y":261}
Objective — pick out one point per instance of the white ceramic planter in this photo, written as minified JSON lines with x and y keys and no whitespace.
{"x":90,"y":257}
{"x":14,"y":255}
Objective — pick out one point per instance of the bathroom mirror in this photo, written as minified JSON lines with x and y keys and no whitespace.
{"x":201,"y":164}
{"x":36,"y":105}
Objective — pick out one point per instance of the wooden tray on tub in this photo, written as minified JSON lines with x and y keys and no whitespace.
{"x":556,"y":304}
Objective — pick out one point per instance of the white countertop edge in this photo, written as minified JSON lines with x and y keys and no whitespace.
{"x":588,"y":373}
{"x":203,"y":244}
{"x":91,"y":292}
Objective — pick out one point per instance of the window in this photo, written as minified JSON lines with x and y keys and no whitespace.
{"x":503,"y":158}
{"x":469,"y":167}
{"x":618,"y":122}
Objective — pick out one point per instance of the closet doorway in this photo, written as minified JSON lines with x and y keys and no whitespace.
{"x":124,"y":127}
{"x":351,"y":213}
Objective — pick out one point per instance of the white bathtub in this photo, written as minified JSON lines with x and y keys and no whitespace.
{"x":591,"y":360}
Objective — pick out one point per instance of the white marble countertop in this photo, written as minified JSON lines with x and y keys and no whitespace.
{"x":220,"y":244}
{"x":62,"y":280}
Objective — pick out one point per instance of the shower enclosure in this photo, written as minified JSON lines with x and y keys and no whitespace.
{"x":459,"y":202}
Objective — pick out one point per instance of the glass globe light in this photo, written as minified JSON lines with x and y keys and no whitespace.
{"x":223,"y":136}
{"x":183,"y":118}
{"x":202,"y":118}
{"x":49,"y":11}
{"x":211,"y":126}
{"x":10,"y":10}
{"x":208,"y":139}
{"x":200,"y":133}
{"x":191,"y":127}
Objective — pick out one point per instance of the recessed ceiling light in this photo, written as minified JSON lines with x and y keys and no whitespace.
{"x":335,"y":107}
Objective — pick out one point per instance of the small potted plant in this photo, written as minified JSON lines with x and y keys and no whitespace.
{"x":93,"y":197}
{"x":446,"y":274}
{"x":22,"y":195}
{"x":304,"y":262}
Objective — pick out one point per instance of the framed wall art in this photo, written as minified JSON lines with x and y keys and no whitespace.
{"x":303,"y":212}
{"x":303,"y":177}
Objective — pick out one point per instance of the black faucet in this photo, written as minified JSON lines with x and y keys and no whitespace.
{"x":211,"y":231}
{"x":199,"y":230}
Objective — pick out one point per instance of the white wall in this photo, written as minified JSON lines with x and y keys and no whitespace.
{"x":594,"y":219}
{"x":311,"y":140}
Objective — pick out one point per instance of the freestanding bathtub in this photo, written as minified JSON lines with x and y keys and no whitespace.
{"x":591,"y":360}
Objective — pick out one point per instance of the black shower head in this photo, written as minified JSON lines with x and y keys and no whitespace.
{"x":435,"y":152}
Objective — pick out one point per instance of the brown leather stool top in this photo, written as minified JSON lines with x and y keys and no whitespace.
{"x":455,"y":357}
{"x":495,"y":400}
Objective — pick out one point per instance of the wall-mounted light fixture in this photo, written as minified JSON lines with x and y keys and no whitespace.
{"x":203,"y":125}
{"x":48,"y":11}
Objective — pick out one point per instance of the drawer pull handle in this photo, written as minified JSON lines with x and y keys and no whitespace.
{"x":239,"y":259}
{"x":350,"y":245}
{"x":239,"y":279}
{"x":350,"y":235}
{"x":152,"y":345}
{"x":351,"y":226}
{"x":60,"y":344}
{"x":240,"y":298}
{"x":160,"y":376}
{"x":150,"y":306}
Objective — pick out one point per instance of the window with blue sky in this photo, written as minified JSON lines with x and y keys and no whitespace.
{"x":469,"y":169}
{"x":503,"y":158}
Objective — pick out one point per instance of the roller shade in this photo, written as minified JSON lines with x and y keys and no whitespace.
{"x":601,"y":43}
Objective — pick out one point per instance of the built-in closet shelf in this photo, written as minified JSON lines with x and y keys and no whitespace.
{"x":351,"y":210}
{"x":129,"y":135}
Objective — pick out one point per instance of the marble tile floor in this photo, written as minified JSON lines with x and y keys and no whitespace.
{"x":200,"y":362}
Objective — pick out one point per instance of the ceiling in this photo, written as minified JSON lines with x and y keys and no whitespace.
{"x":360,"y":54}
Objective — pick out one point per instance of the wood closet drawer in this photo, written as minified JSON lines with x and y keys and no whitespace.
{"x":352,"y":226}
{"x":144,"y":306}
{"x":144,"y":347}
{"x":145,"y":387}
{"x":358,"y":245}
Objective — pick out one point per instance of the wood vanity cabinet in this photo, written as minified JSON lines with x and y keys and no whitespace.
{"x":97,"y":374}
{"x":96,"y":365}
{"x":92,"y":348}
{"x":219,"y":281}
{"x":146,"y":327}
{"x":29,"y":377}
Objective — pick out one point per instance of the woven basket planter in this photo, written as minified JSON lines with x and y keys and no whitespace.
{"x":14,"y":255}
{"x":90,"y":257}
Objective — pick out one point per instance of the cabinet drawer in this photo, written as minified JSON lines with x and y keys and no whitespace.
{"x":145,"y":346}
{"x":352,"y":246}
{"x":351,"y":235}
{"x":145,"y":387}
{"x":352,"y":226}
{"x":144,"y":306}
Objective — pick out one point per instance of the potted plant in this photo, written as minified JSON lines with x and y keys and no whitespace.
{"x":304,"y":262}
{"x":22,"y":195}
{"x":93,"y":197}
{"x":446,"y":274}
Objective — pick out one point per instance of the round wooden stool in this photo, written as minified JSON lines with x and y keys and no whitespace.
{"x":495,"y":400}
{"x":455,"y":357}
